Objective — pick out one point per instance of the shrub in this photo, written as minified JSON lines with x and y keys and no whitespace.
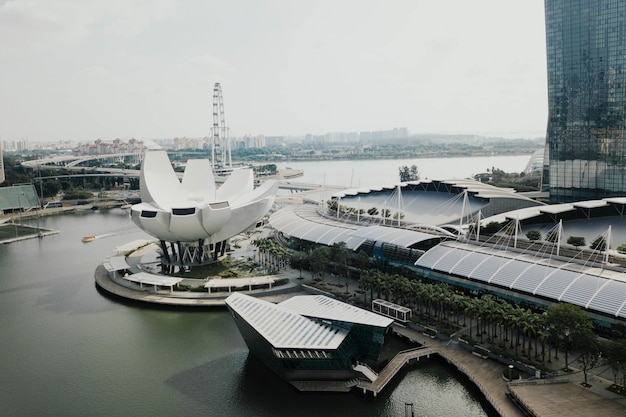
{"x":533,"y":235}
{"x":491,"y":228}
{"x":598,"y":244}
{"x":576,"y":241}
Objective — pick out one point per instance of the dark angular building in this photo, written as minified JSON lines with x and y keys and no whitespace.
{"x":585,"y":155}
{"x":311,"y":338}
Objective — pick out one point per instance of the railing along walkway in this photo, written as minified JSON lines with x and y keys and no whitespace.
{"x":392,"y":368}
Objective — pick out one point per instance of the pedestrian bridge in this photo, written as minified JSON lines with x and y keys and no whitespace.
{"x":393,"y":367}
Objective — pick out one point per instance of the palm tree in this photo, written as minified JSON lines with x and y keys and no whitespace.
{"x":463,"y":301}
{"x":417,"y":292}
{"x":471,"y":310}
{"x":529,"y":329}
{"x":364,"y":285}
{"x":506,"y":322}
{"x":482,"y":305}
{"x":429,"y":295}
{"x":517,"y":321}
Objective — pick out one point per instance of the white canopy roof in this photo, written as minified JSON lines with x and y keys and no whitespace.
{"x":323,"y":307}
{"x":238,"y":282}
{"x":150,"y":279}
{"x":116,"y":263}
{"x":304,"y":223}
{"x":284,"y":328}
{"x":599,"y":289}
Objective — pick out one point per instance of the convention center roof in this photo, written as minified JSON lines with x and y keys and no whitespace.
{"x":588,"y":286}
{"x":304,"y":223}
{"x":436,"y":202}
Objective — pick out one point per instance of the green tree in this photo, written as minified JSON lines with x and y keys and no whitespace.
{"x":568,"y":323}
{"x":51,"y":188}
{"x":408,"y":173}
{"x":340,"y":255}
{"x":622,"y":248}
{"x":491,"y":228}
{"x":599,"y":243}
{"x":589,"y":348}
{"x":576,"y":241}
{"x":318,"y":259}
{"x":614,"y":351}
{"x":362,"y":261}
{"x":299,"y":260}
{"x":533,"y":235}
{"x":366,"y":282}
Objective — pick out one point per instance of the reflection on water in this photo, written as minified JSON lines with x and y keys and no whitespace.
{"x":68,"y":350}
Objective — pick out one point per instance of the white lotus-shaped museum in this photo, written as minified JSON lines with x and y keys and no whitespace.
{"x":194,"y":209}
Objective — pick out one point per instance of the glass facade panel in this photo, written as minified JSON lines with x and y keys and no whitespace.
{"x":586,"y":139}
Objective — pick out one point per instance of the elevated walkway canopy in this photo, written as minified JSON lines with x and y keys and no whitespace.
{"x":116,"y":263}
{"x":142,"y":278}
{"x":231,"y":283}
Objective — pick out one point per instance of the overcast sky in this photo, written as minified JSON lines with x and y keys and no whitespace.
{"x":87,"y":69}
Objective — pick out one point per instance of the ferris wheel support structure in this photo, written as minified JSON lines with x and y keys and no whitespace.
{"x":220,"y":141}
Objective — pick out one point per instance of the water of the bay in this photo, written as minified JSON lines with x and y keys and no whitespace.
{"x":67,"y":350}
{"x":367,"y":173}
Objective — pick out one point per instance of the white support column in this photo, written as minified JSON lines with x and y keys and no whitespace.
{"x":558,"y":240}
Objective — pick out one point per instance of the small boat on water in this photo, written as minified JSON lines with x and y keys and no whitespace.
{"x":88,"y":238}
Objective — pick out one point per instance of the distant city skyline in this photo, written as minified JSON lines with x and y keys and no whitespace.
{"x":80,"y":71}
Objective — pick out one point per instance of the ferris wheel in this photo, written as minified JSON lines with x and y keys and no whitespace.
{"x":220,"y":142}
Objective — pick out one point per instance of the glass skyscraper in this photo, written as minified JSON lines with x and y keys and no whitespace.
{"x":586,"y":136}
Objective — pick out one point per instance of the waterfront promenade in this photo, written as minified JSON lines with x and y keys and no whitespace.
{"x":543,"y":397}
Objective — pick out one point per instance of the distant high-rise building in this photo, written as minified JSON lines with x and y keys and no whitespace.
{"x":585,"y":155}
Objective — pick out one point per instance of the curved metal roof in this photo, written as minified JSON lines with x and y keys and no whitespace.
{"x":592,"y":288}
{"x":304,"y":223}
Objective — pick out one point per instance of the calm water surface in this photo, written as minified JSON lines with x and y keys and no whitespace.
{"x":68,"y":350}
{"x":385,"y":171}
